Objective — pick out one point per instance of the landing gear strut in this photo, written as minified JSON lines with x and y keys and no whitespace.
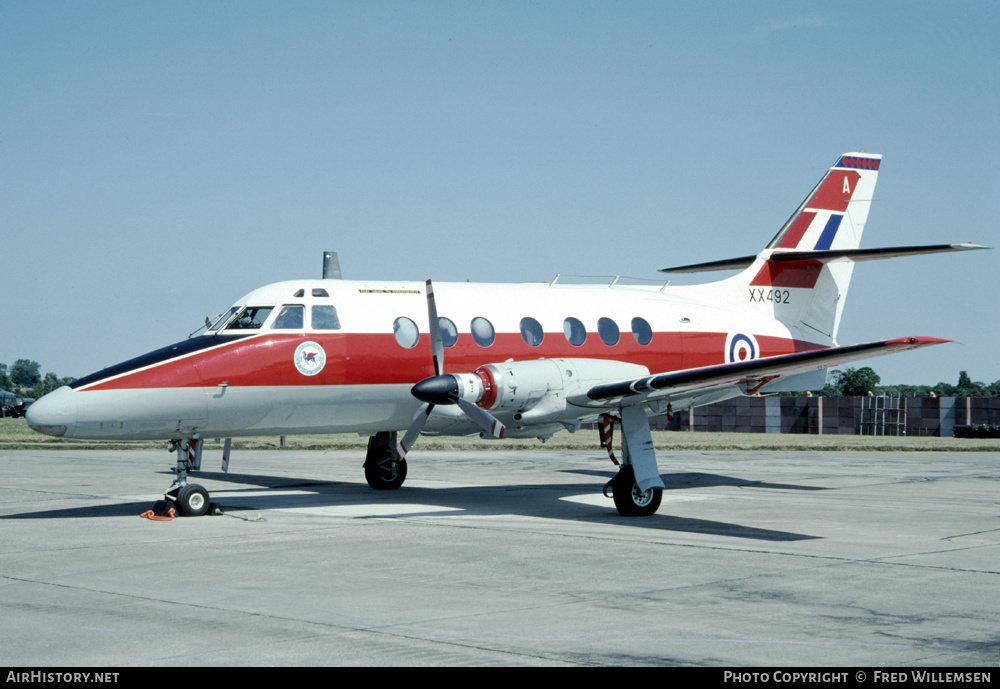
{"x":190,"y":499}
{"x":382,"y":470}
{"x":637,"y":450}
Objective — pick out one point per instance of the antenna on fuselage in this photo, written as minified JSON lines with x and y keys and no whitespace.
{"x":331,"y":266}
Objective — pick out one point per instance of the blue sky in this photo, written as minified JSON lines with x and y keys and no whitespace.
{"x":159,"y":160}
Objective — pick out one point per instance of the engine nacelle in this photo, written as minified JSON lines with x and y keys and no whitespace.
{"x":538,"y":390}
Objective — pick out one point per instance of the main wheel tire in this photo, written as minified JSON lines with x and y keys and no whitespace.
{"x":382,"y":471}
{"x":630,"y":501}
{"x":387,"y":474}
{"x":192,"y":500}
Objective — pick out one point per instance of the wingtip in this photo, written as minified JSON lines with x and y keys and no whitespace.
{"x":916,"y":341}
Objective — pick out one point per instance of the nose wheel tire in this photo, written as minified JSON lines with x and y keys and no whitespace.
{"x":192,"y":500}
{"x":630,"y":500}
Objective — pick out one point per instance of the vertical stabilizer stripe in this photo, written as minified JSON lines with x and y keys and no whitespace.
{"x":829,"y":232}
{"x":795,"y":232}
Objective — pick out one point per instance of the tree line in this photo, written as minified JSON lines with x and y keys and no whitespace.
{"x":24,"y":378}
{"x":858,"y":382}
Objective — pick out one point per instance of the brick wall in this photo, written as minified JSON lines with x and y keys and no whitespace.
{"x":832,"y":415}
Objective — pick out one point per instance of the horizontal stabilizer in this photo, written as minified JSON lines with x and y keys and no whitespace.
{"x":726,"y":264}
{"x":749,"y":375}
{"x":871,"y":254}
{"x":825,"y":256}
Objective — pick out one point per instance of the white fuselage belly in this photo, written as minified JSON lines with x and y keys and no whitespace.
{"x":152,"y":414}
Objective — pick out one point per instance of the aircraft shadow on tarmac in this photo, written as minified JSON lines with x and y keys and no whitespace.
{"x":694,"y":479}
{"x":548,"y":501}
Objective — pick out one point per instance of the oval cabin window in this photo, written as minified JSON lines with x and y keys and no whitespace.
{"x":641,"y":331}
{"x":483,"y":332}
{"x":608,"y":331}
{"x":449,"y":333}
{"x":575,"y":333}
{"x":531,"y":332}
{"x":406,"y":332}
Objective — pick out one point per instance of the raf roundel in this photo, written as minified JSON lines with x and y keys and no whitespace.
{"x":309,"y":358}
{"x":740,"y":347}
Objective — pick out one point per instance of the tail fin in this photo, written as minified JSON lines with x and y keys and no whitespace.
{"x":833,"y":216}
{"x":802,"y":276}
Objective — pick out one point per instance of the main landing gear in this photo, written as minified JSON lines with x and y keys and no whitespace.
{"x":637,"y":489}
{"x":631,"y":500}
{"x":190,"y":499}
{"x":383,"y":470}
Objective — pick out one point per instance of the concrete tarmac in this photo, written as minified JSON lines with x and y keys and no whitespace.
{"x":503,"y":558}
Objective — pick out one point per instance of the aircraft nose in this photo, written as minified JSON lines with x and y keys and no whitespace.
{"x":53,"y":414}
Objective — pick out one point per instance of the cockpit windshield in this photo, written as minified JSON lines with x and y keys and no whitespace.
{"x":223,"y":319}
{"x":250,"y":318}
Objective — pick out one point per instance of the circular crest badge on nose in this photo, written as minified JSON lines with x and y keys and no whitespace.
{"x":309,"y":358}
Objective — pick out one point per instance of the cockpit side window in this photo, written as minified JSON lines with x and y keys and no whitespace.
{"x":324,"y":317}
{"x":250,"y":318}
{"x":290,"y":317}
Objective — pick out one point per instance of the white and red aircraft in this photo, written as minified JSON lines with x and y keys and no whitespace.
{"x":502,"y":360}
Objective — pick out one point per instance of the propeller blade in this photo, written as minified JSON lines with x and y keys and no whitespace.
{"x":442,"y":389}
{"x":489,"y":423}
{"x":437,"y":345}
{"x":437,"y":349}
{"x":411,"y":434}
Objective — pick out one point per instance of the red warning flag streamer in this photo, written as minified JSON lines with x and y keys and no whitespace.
{"x":606,"y":428}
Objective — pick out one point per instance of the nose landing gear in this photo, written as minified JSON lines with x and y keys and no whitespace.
{"x":190,"y":499}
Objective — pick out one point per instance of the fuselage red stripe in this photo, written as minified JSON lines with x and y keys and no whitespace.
{"x":377,"y":359}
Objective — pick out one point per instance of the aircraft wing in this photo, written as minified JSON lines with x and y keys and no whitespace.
{"x":749,"y":376}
